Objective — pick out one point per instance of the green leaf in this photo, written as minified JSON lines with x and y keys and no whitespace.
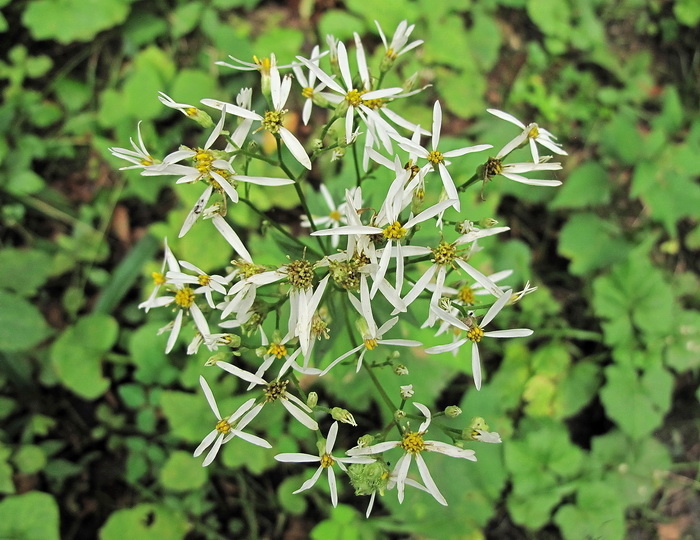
{"x":73,"y":20}
{"x":637,"y":405}
{"x":191,"y":85}
{"x":32,"y":516}
{"x":189,"y":415}
{"x":25,"y":183}
{"x":576,"y":243}
{"x":338,"y":23}
{"x":621,"y":139}
{"x":185,"y":18}
{"x":182,"y":472}
{"x":145,"y":522}
{"x":24,"y":270}
{"x":21,"y":324}
{"x":552,"y":17}
{"x":29,"y":459}
{"x":687,"y":12}
{"x":77,"y":354}
{"x":588,"y":185}
{"x":290,"y":501}
{"x":598,"y":513}
{"x":147,"y":352}
{"x":683,"y":345}
{"x":72,"y":93}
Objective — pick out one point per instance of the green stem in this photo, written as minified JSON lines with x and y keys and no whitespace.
{"x":475,"y":178}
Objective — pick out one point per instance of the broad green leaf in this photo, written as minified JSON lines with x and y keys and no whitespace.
{"x":636,"y":405}
{"x":576,"y":242}
{"x":621,"y":139}
{"x":290,"y":501}
{"x":552,"y":17}
{"x":185,"y":18}
{"x":76,"y":355}
{"x":21,"y":324}
{"x":687,"y":12}
{"x":599,"y":512}
{"x":339,"y":23}
{"x":182,"y":472}
{"x":29,"y":459}
{"x":588,"y":185}
{"x":146,"y":522}
{"x":32,"y":516}
{"x":24,"y":270}
{"x":634,"y":468}
{"x":73,"y":20}
{"x":147,"y":352}
{"x":190,"y":85}
{"x":683,"y":345}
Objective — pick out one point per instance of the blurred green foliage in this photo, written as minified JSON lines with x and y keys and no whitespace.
{"x":99,"y":425}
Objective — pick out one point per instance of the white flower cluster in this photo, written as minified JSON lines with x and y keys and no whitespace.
{"x":363,"y":265}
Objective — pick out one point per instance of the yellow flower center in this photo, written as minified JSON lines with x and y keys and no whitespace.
{"x":277,"y":349}
{"x":374,"y":103}
{"x":371,"y":344}
{"x":354,"y":97}
{"x":275,"y":390}
{"x":327,"y":461}
{"x":263,"y":65}
{"x":222,"y":426}
{"x":475,"y":334}
{"x":494,"y":167}
{"x":394,"y":231}
{"x":247,"y":269}
{"x":412,"y":442}
{"x":435,"y":157}
{"x":191,"y":111}
{"x":445,"y":253}
{"x":300,"y":274}
{"x":534,"y":131}
{"x":147,"y":161}
{"x":203,"y":280}
{"x":334,"y":215}
{"x":272,"y":121}
{"x":466,"y":294}
{"x":184,"y":297}
{"x":158,"y":278}
{"x":308,"y":92}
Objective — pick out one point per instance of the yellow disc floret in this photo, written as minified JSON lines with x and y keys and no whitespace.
{"x":534,"y":131}
{"x":277,"y":349}
{"x":275,"y":390}
{"x":444,"y":254}
{"x":327,"y":461}
{"x":184,"y":297}
{"x":300,"y":274}
{"x":158,"y":278}
{"x":394,"y":231}
{"x":371,"y":344}
{"x":354,"y":97}
{"x":272,"y":121}
{"x":308,"y":92}
{"x":223,"y":427}
{"x":493,"y":167}
{"x":203,"y":280}
{"x":475,"y":334}
{"x":435,"y":157}
{"x":412,"y":442}
{"x":466,"y":294}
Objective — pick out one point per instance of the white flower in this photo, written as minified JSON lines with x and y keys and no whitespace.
{"x":159,"y":278}
{"x":307,"y":84}
{"x":436,"y":158}
{"x":277,"y":391}
{"x":407,"y":391}
{"x":326,"y":461}
{"x":413,"y":444}
{"x":226,"y":428}
{"x":398,"y":46}
{"x":353,"y":96}
{"x":272,"y":121}
{"x":532,"y":133}
{"x":207,"y":283}
{"x":139,"y":156}
{"x":334,"y":218}
{"x":475,"y":333}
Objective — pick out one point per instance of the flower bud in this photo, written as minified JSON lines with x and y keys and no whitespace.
{"x":400,"y":369}
{"x":202,"y":118}
{"x":452,"y":411}
{"x":343,"y":415}
{"x":369,"y":478}
{"x":312,"y":400}
{"x":487,"y":223}
{"x":365,"y":441}
{"x":407,"y":391}
{"x":218,"y":357}
{"x":400,"y":414}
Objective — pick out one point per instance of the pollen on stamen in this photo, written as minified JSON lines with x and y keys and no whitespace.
{"x":394,"y":231}
{"x":272,"y":121}
{"x":191,"y":111}
{"x":354,"y":97}
{"x":184,"y":297}
{"x":277,"y":349}
{"x":158,"y":278}
{"x":203,"y":280}
{"x":412,"y":442}
{"x":275,"y":390}
{"x":327,"y":461}
{"x":475,"y":334}
{"x":223,"y":427}
{"x":466,"y":294}
{"x":308,"y":92}
{"x":435,"y":157}
{"x":534,"y":131}
{"x":493,"y":167}
{"x":444,"y":254}
{"x":370,"y":344}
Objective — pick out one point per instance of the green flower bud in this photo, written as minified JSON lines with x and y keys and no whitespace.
{"x":400,"y":369}
{"x":365,"y":441}
{"x":453,"y":411}
{"x":312,"y":400}
{"x":202,"y":118}
{"x":369,"y":478}
{"x":343,"y":415}
{"x":487,"y":223}
{"x":218,"y":357}
{"x":400,"y":414}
